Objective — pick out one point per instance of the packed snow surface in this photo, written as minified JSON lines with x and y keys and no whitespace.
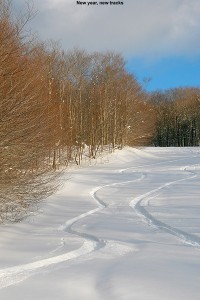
{"x":125,"y":229}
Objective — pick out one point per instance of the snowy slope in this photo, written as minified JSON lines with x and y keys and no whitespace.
{"x":127,"y":229}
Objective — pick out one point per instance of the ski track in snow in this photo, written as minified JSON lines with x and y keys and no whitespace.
{"x":136,"y":204}
{"x":157,"y":163}
{"x":13,"y":275}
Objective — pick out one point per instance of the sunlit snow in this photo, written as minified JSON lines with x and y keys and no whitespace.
{"x":127,"y":229}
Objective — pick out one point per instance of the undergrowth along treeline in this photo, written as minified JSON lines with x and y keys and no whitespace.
{"x":56,"y":106}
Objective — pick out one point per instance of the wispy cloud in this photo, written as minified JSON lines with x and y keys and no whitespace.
{"x":138,"y":28}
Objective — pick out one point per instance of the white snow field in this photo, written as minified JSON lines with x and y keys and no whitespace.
{"x":128,"y":229}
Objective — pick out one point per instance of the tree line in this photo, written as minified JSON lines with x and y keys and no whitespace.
{"x":55,"y":107}
{"x":177,"y":117}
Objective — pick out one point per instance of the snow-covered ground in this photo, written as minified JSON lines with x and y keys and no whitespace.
{"x":128,"y":229}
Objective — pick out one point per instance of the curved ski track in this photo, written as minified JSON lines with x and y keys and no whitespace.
{"x":136,"y":204}
{"x":13,"y":275}
{"x":16,"y":274}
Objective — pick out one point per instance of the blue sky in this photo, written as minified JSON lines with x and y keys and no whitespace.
{"x":166,"y":72}
{"x":159,"y":39}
